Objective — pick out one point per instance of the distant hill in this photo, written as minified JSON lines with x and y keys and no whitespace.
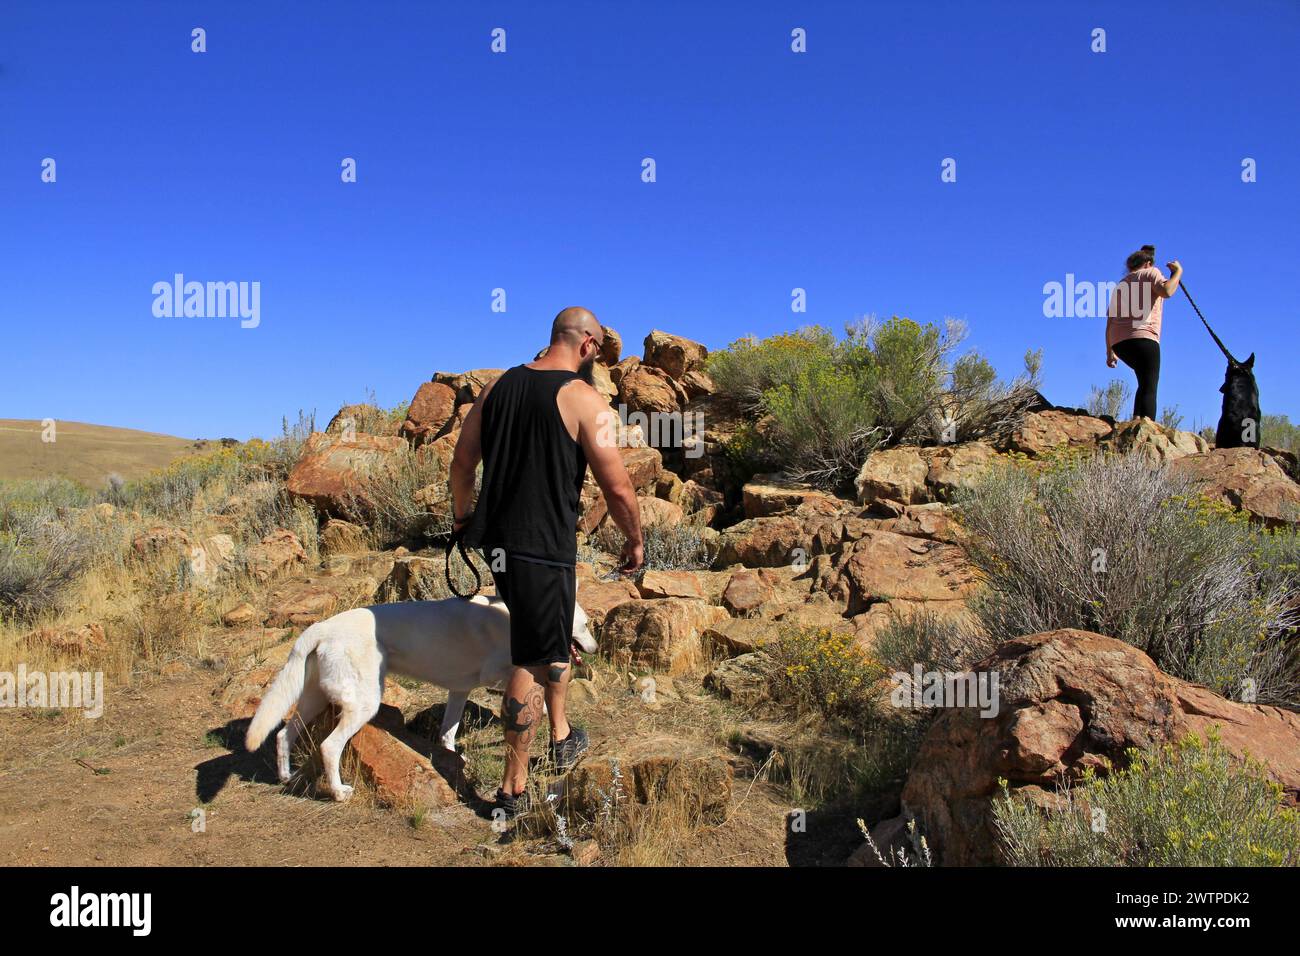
{"x":85,"y":453}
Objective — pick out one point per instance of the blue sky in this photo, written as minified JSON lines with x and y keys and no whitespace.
{"x":522,"y":171}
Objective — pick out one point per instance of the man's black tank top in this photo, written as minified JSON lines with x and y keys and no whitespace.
{"x":532,"y":470}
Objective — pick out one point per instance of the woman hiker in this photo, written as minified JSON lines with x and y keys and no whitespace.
{"x":1133,"y":324}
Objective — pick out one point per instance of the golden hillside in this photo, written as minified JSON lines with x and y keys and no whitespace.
{"x":84,"y":453}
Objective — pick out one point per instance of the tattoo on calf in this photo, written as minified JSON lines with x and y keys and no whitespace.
{"x":520,"y":716}
{"x":556,"y":673}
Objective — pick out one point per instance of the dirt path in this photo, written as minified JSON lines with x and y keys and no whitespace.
{"x":164,"y":747}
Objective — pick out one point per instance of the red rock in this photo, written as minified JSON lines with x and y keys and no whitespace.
{"x":1053,"y":428}
{"x":673,"y":354}
{"x":884,"y":566}
{"x":678,"y":584}
{"x":332,"y":472}
{"x":1244,"y":478}
{"x":400,"y":777}
{"x":662,"y":634}
{"x":431,"y":410}
{"x":747,"y":591}
{"x":599,"y":597}
{"x":1070,"y":700}
{"x":278,"y":552}
{"x":648,"y":390}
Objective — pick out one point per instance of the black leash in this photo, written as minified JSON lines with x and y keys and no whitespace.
{"x":456,"y":539}
{"x":1217,"y":342}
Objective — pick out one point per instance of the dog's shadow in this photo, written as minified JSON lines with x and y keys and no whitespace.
{"x":212,"y":776}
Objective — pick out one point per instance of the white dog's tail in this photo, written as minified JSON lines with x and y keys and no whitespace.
{"x":285,"y":689}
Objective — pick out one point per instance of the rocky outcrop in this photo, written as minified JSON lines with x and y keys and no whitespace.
{"x":896,"y":474}
{"x":277,"y":553}
{"x":884,"y":566}
{"x":623,"y":777}
{"x":431,"y":410}
{"x":661,"y":634}
{"x":1054,"y":428}
{"x":331,"y":475}
{"x":1245,"y":478}
{"x":467,"y":385}
{"x":648,"y":390}
{"x":673,"y":354}
{"x":1157,"y":443}
{"x":1069,"y":700}
{"x":766,"y":495}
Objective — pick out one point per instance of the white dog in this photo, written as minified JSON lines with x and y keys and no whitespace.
{"x":456,"y":644}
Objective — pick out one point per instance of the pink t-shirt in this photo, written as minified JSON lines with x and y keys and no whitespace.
{"x":1135,"y":307}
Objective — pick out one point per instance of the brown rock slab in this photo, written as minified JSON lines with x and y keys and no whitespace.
{"x":1245,"y":478}
{"x":626,"y":777}
{"x":661,"y":634}
{"x":1070,"y":700}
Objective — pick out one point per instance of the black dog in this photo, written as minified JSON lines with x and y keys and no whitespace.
{"x":1239,"y":423}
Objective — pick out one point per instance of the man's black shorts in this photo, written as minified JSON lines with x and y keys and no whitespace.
{"x":540,"y":597}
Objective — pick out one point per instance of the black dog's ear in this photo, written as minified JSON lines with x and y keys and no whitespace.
{"x":1250,"y":362}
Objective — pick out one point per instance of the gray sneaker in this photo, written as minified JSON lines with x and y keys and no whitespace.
{"x":566,"y":753}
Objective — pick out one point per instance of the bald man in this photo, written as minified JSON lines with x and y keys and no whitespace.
{"x":536,"y":428}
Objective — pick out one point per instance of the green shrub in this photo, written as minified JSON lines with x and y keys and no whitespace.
{"x":824,"y":671}
{"x":408,"y":502}
{"x":822,"y":404}
{"x":1189,"y":803}
{"x":668,"y":547}
{"x":40,"y":559}
{"x":748,"y":369}
{"x":1277,"y":431}
{"x":937,"y":642}
{"x":1111,"y":400}
{"x":1109,"y":544}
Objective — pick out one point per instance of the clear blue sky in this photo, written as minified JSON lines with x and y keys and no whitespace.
{"x":523,"y":171}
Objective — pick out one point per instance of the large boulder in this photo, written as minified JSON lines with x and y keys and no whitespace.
{"x":1157,"y":443}
{"x":1069,"y":700}
{"x":278,"y":552}
{"x":612,"y":348}
{"x":884,"y":566}
{"x":332,"y":473}
{"x":467,"y":385}
{"x":783,"y":540}
{"x":896,"y":474}
{"x":432,"y":408}
{"x":621,"y":777}
{"x":1053,"y":428}
{"x":766,"y":495}
{"x":1245,"y":478}
{"x":660,"y":634}
{"x":598,"y":597}
{"x":649,"y":390}
{"x":674,"y":354}
{"x":953,"y":468}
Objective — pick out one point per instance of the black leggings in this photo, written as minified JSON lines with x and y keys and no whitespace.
{"x":1143,"y":357}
